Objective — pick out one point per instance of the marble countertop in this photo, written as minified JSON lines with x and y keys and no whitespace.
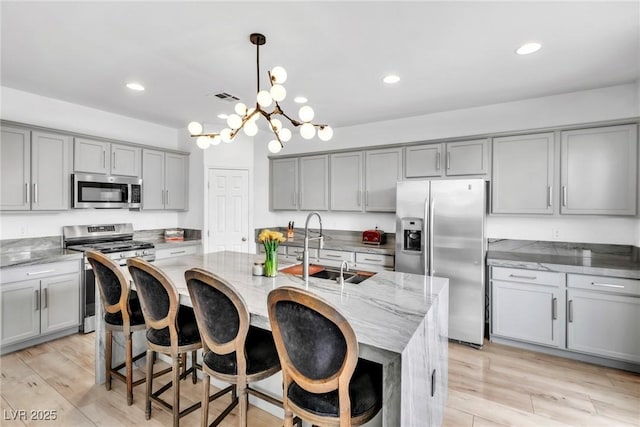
{"x":25,"y":258}
{"x":162,"y":244}
{"x":597,"y":259}
{"x":384,"y":310}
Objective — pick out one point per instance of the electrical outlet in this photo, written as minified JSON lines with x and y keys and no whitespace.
{"x":555,"y":233}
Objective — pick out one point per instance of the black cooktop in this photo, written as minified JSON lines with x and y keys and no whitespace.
{"x":117,"y":246}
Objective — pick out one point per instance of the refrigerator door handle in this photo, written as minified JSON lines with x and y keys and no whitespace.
{"x":432,"y":209}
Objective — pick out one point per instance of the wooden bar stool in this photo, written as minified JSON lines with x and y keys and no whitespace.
{"x":233,"y":351}
{"x":171,"y":330}
{"x":324,"y":380}
{"x":122,"y":313}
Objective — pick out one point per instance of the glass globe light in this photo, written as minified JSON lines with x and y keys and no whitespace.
{"x":225,"y":135}
{"x":274,"y":146}
{"x":284,"y":134}
{"x":194,"y":128}
{"x":276,"y":124}
{"x":264,"y":98}
{"x":250,"y":128}
{"x":307,"y":131}
{"x":240,"y":109}
{"x":306,"y":113}
{"x":279,"y":75}
{"x":203,"y":142}
{"x":234,"y":121}
{"x":216,"y":140}
{"x":325,"y":133}
{"x":278,"y":92}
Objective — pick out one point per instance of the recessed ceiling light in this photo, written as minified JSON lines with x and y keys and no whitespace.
{"x":391,"y":79}
{"x":528,"y":48}
{"x":223,"y":116}
{"x":135,"y":86}
{"x":300,"y":99}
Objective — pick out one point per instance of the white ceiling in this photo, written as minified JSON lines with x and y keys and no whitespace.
{"x":450,"y":55}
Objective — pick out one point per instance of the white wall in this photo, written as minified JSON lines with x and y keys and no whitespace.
{"x":37,"y":110}
{"x":611,"y":103}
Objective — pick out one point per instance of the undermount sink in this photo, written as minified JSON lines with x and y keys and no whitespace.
{"x":329,"y":273}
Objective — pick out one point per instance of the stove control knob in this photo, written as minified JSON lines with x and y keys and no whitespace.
{"x":122,"y":255}
{"x":138,"y":253}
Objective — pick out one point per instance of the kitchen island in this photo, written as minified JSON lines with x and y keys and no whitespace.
{"x":400,"y":320}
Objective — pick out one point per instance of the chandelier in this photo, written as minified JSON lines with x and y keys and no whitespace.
{"x":245,"y":117}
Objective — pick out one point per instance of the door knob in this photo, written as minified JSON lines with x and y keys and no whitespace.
{"x":244,"y":239}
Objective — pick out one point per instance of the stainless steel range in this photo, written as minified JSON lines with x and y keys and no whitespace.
{"x":114,"y":240}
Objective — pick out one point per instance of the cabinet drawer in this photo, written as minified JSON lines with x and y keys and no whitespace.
{"x":16,"y":274}
{"x":374,"y":259}
{"x":527,"y":276}
{"x":613,"y":285}
{"x":176,"y":251}
{"x":336,"y":255}
{"x":296,"y":251}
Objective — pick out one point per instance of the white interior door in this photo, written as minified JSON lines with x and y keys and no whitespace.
{"x":228,"y":202}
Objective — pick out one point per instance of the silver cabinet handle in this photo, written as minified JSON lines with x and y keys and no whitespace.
{"x":607,"y":285}
{"x":371,"y":259}
{"x":104,"y":159}
{"x":332,"y":256}
{"x":33,"y":273}
{"x":564,"y":195}
{"x":554,"y":308}
{"x":178,"y":252}
{"x":167,"y":197}
{"x":438,"y":161}
{"x":295,"y":194}
{"x":46,"y":298}
{"x":448,"y":160}
{"x":517,"y":276}
{"x":35,"y":192}
{"x":570,"y":316}
{"x":549,"y":196}
{"x":113,"y":166}
{"x":37,"y":300}
{"x":433,"y":383}
{"x":26,"y":192}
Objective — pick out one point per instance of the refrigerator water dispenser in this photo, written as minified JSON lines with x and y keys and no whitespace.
{"x":412,"y":234}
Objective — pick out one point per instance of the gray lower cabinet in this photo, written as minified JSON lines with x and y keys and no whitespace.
{"x":174,"y":251}
{"x":35,"y":170}
{"x":383,"y":170}
{"x":522,"y":174}
{"x":346,"y":182}
{"x":284,"y":184}
{"x":37,"y":307}
{"x":105,"y":158}
{"x":598,"y":171}
{"x":603,"y":316}
{"x":164,"y":180}
{"x":528,"y":305}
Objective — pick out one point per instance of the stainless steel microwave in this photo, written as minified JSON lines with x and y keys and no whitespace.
{"x":106,"y":192}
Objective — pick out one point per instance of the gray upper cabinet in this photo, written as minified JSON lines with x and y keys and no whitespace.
{"x":164,"y":180}
{"x":423,"y":161}
{"x":467,"y":158}
{"x":599,"y":171}
{"x":314,"y":182}
{"x":36,"y":169}
{"x":346,"y":181}
{"x":522,"y":174}
{"x":91,"y":156}
{"x":383,"y":170}
{"x":284,"y":184}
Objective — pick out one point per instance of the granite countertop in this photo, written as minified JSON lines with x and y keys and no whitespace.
{"x":25,"y":258}
{"x":598,"y":259}
{"x":160,"y":243}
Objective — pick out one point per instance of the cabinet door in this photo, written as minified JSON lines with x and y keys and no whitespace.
{"x":523,"y":174}
{"x":346,"y":181}
{"x":383,"y":170}
{"x":314,"y":182}
{"x":604,"y":324}
{"x":20,"y":311}
{"x":50,"y":171}
{"x":525,"y":312}
{"x":125,"y":160}
{"x":91,"y":156}
{"x":15,"y":169}
{"x":152,"y":179}
{"x":59,"y":302}
{"x":467,"y":158}
{"x":284,"y":184}
{"x":423,"y":161}
{"x":599,"y":171}
{"x":176,"y":185}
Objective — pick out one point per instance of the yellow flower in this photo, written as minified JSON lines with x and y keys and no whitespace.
{"x":268,"y":236}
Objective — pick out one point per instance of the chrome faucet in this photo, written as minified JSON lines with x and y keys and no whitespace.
{"x":305,"y":253}
{"x":343,"y":267}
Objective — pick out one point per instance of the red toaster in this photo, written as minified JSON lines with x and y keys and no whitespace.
{"x":373,"y":237}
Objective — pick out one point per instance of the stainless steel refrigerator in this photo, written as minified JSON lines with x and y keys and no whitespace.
{"x":440,"y":232}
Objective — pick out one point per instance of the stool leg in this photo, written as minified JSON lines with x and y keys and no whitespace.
{"x":206,"y":382}
{"x":194,"y":355}
{"x":176,"y":389}
{"x":243,"y":402}
{"x":149,"y":381}
{"x":107,"y":359}
{"x":129,"y":365}
{"x":288,"y":417}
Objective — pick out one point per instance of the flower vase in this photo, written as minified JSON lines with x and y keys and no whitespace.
{"x":271,"y":262}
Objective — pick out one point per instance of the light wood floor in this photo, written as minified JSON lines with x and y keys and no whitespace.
{"x":496,"y":386}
